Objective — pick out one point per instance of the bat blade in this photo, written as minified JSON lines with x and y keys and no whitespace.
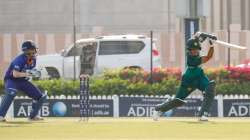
{"x":229,"y":45}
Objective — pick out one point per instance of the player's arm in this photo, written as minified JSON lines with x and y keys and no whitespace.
{"x":210,"y":53}
{"x":17,"y":71}
{"x":18,"y":74}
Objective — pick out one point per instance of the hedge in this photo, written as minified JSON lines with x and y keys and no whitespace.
{"x":165,"y":81}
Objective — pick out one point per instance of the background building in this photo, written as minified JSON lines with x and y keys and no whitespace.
{"x":50,"y":24}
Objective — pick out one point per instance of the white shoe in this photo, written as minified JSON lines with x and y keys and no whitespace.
{"x":2,"y":119}
{"x":203,"y":118}
{"x":37,"y":118}
{"x":156,"y":115}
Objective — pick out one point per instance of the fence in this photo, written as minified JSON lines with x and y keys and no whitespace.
{"x":131,"y":106}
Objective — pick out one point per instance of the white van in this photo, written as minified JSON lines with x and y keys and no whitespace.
{"x":94,"y":55}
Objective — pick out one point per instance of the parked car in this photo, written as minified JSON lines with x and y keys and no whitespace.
{"x":246,"y":65}
{"x":94,"y":55}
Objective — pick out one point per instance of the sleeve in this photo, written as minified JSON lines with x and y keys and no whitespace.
{"x":18,"y":64}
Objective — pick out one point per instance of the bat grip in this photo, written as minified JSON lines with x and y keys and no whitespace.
{"x":202,"y":36}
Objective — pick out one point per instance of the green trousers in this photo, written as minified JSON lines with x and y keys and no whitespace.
{"x":194,"y":78}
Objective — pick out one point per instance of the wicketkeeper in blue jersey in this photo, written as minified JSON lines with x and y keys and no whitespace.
{"x":17,"y":78}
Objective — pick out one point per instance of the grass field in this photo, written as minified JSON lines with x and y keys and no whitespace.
{"x":126,"y":129}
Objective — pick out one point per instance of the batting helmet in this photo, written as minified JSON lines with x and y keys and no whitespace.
{"x":193,"y":44}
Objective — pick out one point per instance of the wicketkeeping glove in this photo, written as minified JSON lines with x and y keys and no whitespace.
{"x":34,"y":73}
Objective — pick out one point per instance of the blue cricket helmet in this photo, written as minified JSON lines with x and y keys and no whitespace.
{"x":27,"y":45}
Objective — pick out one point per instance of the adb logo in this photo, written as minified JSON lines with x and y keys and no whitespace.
{"x":59,"y":109}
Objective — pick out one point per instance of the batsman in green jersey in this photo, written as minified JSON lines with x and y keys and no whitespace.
{"x":193,"y":78}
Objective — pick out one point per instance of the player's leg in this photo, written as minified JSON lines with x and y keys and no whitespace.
{"x":169,"y":104}
{"x":37,"y":96}
{"x":207,"y":101}
{"x":182,"y":93}
{"x":10,"y":93}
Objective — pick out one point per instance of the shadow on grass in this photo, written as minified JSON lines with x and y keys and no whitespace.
{"x":14,"y":124}
{"x":198,"y":122}
{"x":18,"y":123}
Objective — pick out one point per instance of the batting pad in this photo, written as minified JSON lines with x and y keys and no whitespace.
{"x":166,"y":106}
